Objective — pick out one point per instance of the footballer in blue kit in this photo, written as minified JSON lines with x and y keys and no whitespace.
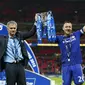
{"x":71,"y":57}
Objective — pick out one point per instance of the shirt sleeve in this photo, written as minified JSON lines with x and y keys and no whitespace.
{"x":28,"y":34}
{"x":79,"y":32}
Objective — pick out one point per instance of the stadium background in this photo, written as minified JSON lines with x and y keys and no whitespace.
{"x":23,"y":12}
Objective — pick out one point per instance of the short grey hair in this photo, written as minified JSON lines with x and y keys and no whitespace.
{"x":11,"y":22}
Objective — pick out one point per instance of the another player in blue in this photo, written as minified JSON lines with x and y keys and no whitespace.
{"x":71,"y":57}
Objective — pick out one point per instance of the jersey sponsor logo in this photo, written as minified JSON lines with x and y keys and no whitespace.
{"x":71,"y":39}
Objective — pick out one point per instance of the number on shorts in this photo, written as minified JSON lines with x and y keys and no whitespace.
{"x":81,"y":78}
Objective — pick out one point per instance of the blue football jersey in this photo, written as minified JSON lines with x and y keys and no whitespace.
{"x":70,"y":48}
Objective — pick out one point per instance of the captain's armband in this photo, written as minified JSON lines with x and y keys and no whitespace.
{"x":82,"y":30}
